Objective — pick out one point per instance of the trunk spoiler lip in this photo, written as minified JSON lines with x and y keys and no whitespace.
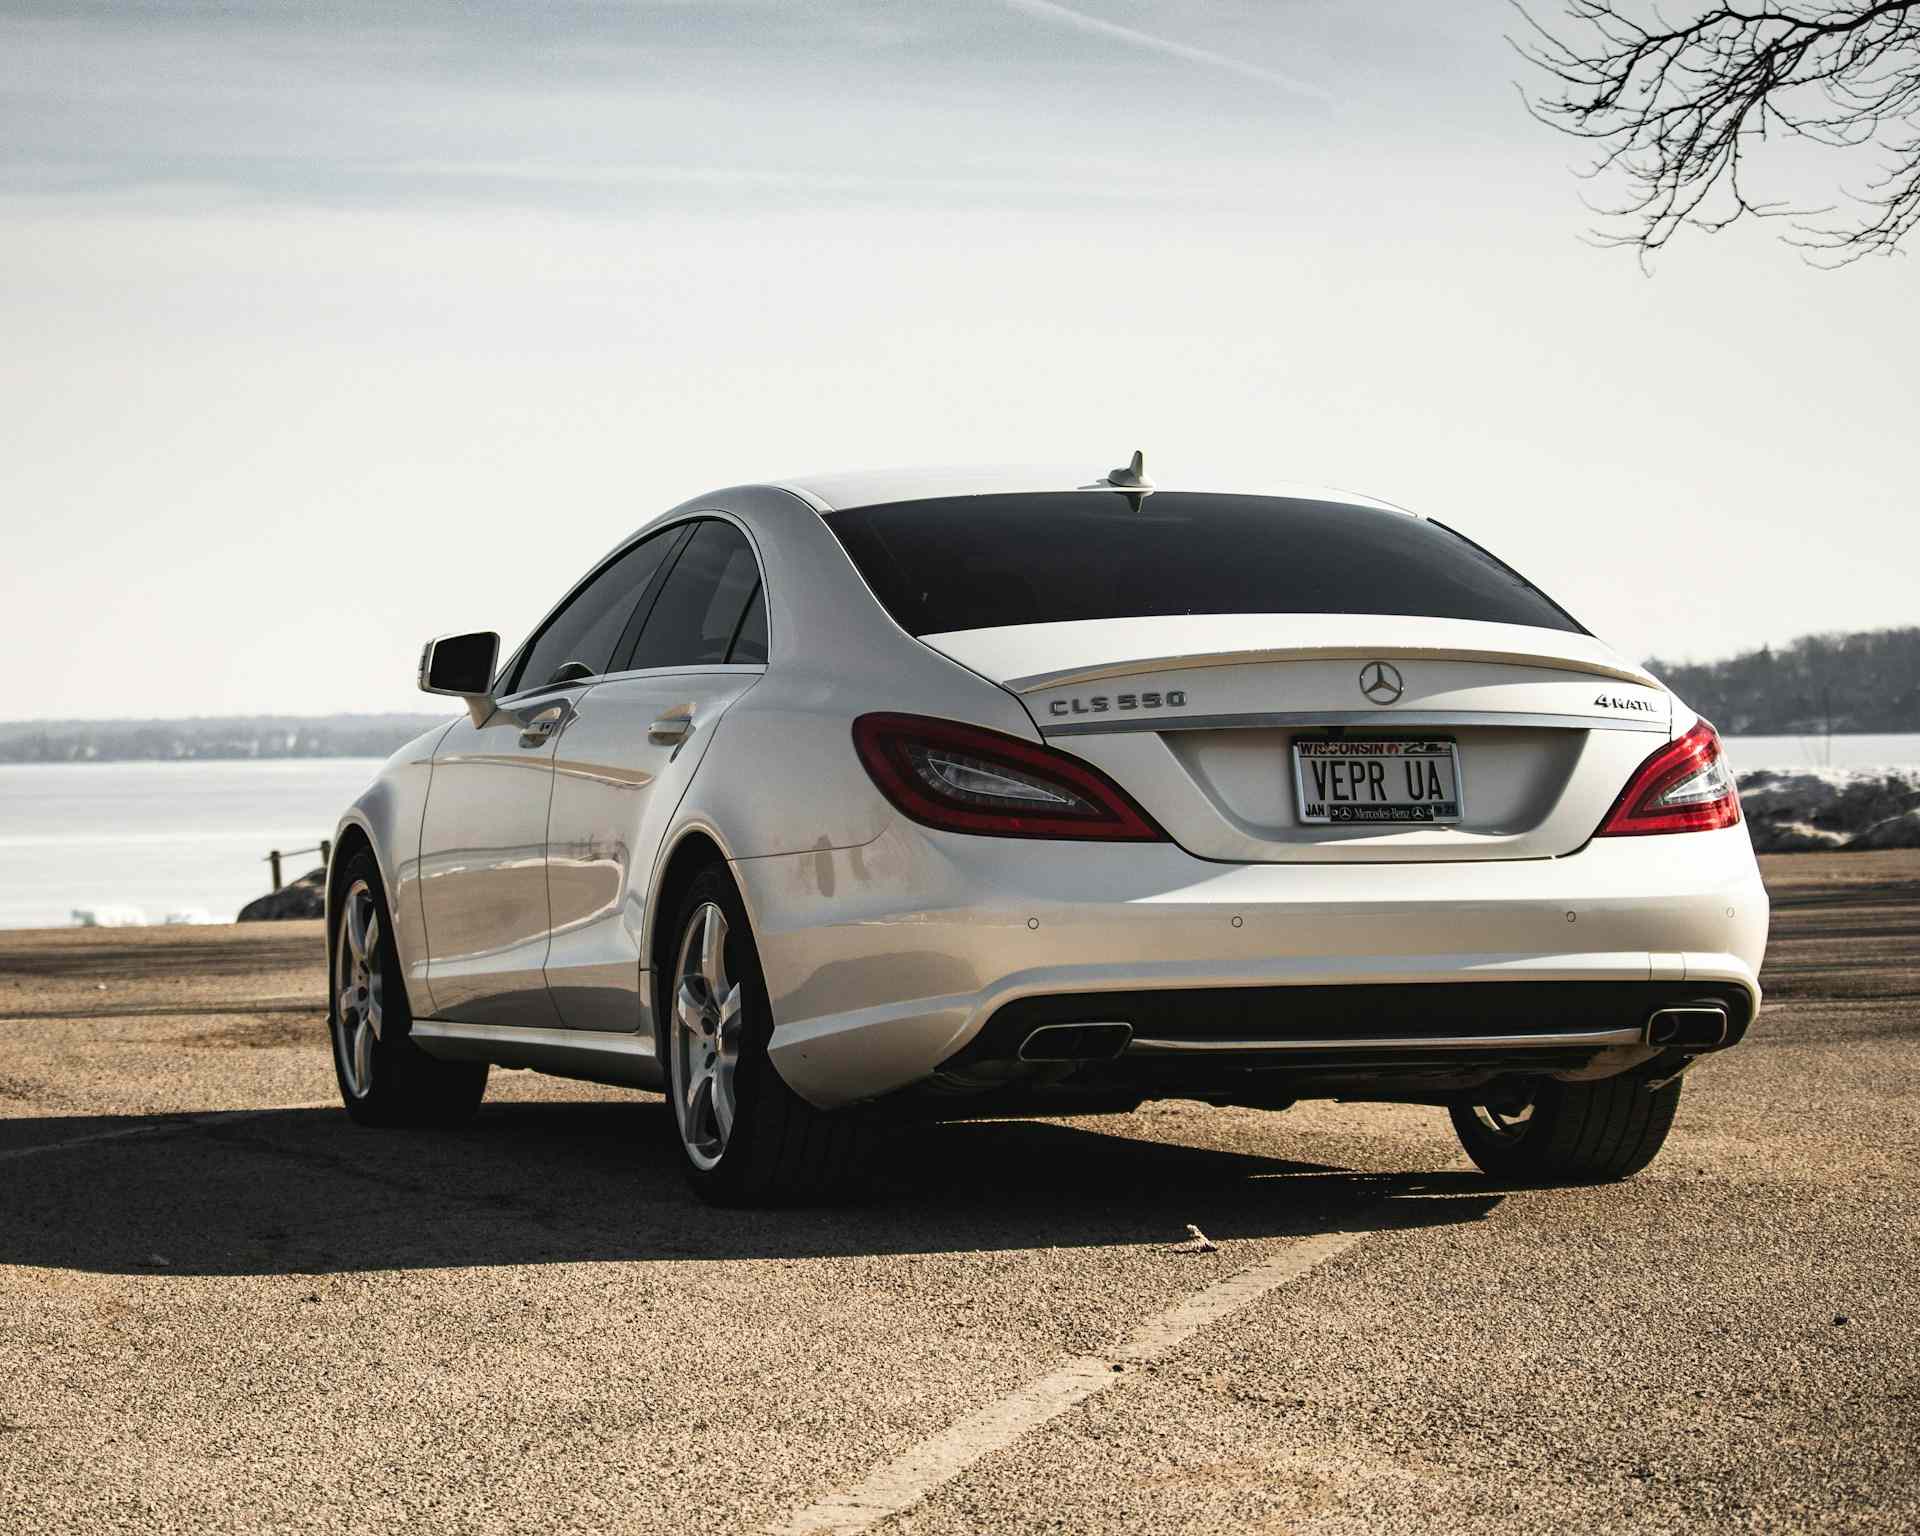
{"x":1379,"y":719}
{"x":1040,"y":681}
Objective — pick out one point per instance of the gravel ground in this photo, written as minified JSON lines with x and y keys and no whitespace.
{"x":223,"y":1308}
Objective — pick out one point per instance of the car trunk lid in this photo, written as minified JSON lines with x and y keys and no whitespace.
{"x":1198,"y":716}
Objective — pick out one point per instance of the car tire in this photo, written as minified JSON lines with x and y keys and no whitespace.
{"x":744,"y":1137}
{"x":385,"y":1079}
{"x":1570,"y":1133}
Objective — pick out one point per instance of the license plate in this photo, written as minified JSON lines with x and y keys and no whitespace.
{"x":1348,"y":780}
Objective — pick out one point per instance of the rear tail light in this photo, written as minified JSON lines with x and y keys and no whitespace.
{"x":961,"y":778}
{"x":1684,"y":787}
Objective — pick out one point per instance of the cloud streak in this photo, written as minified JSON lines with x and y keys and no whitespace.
{"x":1080,"y":21}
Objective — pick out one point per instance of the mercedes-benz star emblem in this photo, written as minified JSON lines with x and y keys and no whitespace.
{"x":1380,"y":681}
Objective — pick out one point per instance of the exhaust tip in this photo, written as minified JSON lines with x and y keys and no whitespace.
{"x":1699,"y":1027}
{"x":1076,"y":1042}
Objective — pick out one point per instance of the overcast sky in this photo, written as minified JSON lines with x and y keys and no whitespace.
{"x":328,"y":327}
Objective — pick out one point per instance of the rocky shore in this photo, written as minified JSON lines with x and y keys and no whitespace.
{"x":302,"y":898}
{"x":1805,"y":810}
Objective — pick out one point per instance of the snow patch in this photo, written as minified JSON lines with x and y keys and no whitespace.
{"x":1790,"y":810}
{"x":109,"y":917}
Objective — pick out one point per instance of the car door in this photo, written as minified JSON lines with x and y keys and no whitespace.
{"x":625,"y":761}
{"x":484,"y":834}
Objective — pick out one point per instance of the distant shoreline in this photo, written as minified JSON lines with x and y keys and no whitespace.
{"x":212,"y":739}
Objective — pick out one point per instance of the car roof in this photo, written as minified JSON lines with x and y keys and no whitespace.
{"x":865,"y":488}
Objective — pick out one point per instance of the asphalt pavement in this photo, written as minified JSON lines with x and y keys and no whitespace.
{"x":225,"y":1308}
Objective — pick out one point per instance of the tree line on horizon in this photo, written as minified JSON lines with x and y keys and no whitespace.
{"x":1863,"y":682}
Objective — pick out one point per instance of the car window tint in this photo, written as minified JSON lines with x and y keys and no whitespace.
{"x":590,"y":626}
{"x":750,"y":644}
{"x":700,"y":606}
{"x":980,"y":562}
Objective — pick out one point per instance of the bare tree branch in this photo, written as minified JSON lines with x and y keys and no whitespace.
{"x":1678,"y":110}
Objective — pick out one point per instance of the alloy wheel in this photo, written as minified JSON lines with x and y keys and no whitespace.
{"x":706,"y":1035}
{"x":358,"y":986}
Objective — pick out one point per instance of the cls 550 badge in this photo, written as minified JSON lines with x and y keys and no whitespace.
{"x":1101,"y":703}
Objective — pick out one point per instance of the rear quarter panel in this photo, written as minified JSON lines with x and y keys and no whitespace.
{"x":782,"y":776}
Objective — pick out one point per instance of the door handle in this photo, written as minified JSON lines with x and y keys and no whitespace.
{"x":538,"y":731}
{"x":672,"y":727}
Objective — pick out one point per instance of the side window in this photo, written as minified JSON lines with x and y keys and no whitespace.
{"x":590,"y":626}
{"x":750,"y":643}
{"x":700,"y":607}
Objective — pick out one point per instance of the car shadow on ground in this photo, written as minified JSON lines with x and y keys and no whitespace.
{"x":304,"y":1191}
{"x":114,"y":955}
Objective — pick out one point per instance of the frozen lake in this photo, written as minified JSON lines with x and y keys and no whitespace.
{"x":1823,"y":751}
{"x":160,"y":838}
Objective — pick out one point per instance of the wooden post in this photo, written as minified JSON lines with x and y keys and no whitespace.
{"x":274,"y":859}
{"x":326,"y":852}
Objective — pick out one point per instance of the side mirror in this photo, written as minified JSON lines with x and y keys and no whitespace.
{"x":462,"y":666}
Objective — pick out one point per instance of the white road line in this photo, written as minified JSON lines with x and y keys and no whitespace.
{"x":154,"y":1128}
{"x":910,"y":1477}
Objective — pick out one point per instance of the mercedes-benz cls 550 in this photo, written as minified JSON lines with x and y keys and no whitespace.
{"x":817,"y":803}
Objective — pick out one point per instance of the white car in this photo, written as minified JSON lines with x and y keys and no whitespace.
{"x":1048,"y":793}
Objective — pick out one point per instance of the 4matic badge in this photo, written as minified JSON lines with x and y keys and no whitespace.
{"x":1612,"y":701}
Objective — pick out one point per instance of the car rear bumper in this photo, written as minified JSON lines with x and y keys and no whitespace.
{"x":886,"y":963}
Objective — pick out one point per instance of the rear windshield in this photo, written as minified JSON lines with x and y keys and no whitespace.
{"x":981,"y":562}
